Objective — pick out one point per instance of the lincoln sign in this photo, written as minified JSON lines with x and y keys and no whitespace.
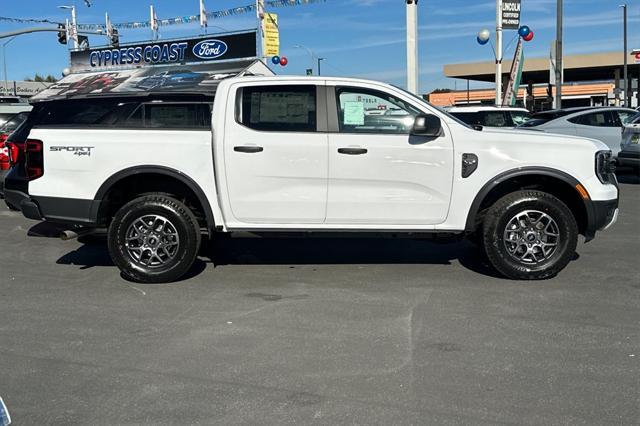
{"x":511,"y":14}
{"x":169,"y":52}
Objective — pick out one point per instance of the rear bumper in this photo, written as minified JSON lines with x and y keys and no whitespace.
{"x":59,"y":210}
{"x":21,"y":201}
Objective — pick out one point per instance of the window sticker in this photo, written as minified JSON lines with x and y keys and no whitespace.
{"x":354,"y":113}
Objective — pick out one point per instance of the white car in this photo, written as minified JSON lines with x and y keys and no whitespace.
{"x":270,"y":155}
{"x":10,"y":109}
{"x":601,"y":123}
{"x":490,"y":116}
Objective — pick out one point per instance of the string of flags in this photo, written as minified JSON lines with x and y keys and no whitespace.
{"x":171,"y":21}
{"x":196,"y":18}
{"x":26,"y":20}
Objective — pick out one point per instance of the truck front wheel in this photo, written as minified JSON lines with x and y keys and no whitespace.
{"x":154,"y":239}
{"x":529,"y":235}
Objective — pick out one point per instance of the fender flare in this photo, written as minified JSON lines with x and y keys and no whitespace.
{"x":166,"y":171}
{"x":523,"y":171}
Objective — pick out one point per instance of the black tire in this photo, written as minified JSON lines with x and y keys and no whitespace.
{"x":173,"y":228}
{"x":539,"y":263}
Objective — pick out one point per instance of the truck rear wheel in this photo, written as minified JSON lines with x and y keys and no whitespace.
{"x":154,"y":239}
{"x":529,"y":235}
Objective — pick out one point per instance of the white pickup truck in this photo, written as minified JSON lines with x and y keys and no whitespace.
{"x":303,"y":154}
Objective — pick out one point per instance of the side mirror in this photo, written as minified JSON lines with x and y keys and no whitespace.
{"x":427,"y":125}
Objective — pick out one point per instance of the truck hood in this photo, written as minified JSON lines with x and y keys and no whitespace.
{"x":541,"y":138}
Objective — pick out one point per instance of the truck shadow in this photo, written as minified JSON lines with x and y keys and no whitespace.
{"x":305,"y":251}
{"x":346,"y":251}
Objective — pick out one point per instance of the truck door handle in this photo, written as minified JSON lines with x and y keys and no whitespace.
{"x":352,"y":151}
{"x":248,"y":149}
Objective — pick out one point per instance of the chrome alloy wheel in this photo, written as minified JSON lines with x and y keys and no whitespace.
{"x":531,"y":237}
{"x":152,"y":241}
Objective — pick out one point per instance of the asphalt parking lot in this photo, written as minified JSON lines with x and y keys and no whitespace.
{"x":321,"y":331}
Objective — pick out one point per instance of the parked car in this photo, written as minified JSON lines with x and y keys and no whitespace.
{"x":5,"y":130}
{"x":602,"y":123}
{"x":290,"y":154}
{"x":171,"y":79}
{"x":629,"y":154}
{"x":10,"y":109}
{"x":491,"y":116}
{"x":10,"y":100}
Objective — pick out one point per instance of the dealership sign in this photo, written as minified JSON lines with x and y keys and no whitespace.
{"x":22,"y":88}
{"x":210,"y":49}
{"x":511,"y":14}
{"x":170,"y":52}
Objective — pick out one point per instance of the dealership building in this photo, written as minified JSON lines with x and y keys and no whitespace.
{"x":589,"y":80}
{"x":22,"y":89}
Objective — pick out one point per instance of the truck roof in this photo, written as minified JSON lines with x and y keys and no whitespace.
{"x":310,"y":78}
{"x":68,"y":89}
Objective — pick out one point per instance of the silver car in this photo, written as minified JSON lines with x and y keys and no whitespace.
{"x":490,"y":116}
{"x":630,"y":147}
{"x":602,"y":123}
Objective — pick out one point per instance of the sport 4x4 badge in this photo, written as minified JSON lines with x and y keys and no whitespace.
{"x":77,"y":150}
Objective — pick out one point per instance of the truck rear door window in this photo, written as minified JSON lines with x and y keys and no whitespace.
{"x":278,"y":108}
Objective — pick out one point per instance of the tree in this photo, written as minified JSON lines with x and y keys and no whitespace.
{"x":38,"y":78}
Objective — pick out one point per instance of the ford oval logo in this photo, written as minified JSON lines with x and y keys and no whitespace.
{"x":210,"y":49}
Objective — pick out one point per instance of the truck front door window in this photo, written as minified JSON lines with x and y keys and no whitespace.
{"x":369,"y":111}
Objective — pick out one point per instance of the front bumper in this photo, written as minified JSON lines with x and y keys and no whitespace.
{"x":602,"y":216}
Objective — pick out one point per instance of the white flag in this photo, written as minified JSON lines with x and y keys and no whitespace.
{"x":108,"y":26}
{"x":72,"y":32}
{"x":154,"y":19}
{"x":203,"y":15}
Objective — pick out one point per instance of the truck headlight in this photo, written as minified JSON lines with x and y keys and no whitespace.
{"x":605,"y":166}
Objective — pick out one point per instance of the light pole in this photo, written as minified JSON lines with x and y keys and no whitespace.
{"x":4,"y":63}
{"x":311,"y":55}
{"x":320,"y":60}
{"x":559,"y":54}
{"x":498,"y":52}
{"x":626,"y":97}
{"x":74,"y":24}
{"x":412,"y":46}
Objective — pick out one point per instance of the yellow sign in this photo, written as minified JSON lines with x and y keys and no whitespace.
{"x":270,"y":35}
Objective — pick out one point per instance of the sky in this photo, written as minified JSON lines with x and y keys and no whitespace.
{"x":358,"y":38}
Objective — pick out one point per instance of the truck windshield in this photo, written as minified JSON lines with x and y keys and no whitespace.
{"x":424,"y":102}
